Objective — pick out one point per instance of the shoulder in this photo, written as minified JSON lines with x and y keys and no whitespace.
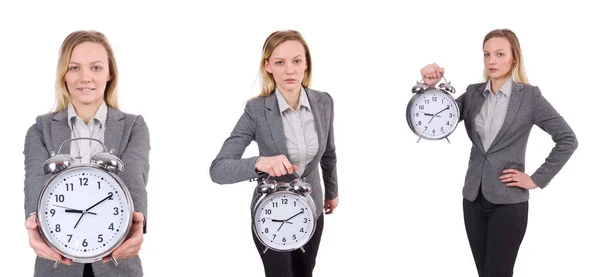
{"x":321,"y":95}
{"x":529,"y":89}
{"x":472,"y":88}
{"x":43,"y":120}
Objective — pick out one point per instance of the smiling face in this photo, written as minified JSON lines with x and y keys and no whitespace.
{"x":287,"y":65}
{"x":87,"y":75}
{"x":497,"y":58}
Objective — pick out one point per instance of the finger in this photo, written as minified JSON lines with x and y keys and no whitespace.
{"x":138,"y":217}
{"x":295,"y":168}
{"x":510,"y":170}
{"x":514,"y":184}
{"x":288,"y":166}
{"x":441,"y":70}
{"x":280,"y":169}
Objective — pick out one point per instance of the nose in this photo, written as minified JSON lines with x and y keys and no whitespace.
{"x":289,"y":69}
{"x":86,"y":76}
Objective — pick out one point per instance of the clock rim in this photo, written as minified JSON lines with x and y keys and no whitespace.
{"x":128,"y":219}
{"x":408,"y":115}
{"x":313,"y":213}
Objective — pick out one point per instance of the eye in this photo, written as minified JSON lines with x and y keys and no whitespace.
{"x":96,"y":68}
{"x":486,"y":54}
{"x":298,"y":61}
{"x":500,"y":54}
{"x":73,"y":68}
{"x":279,"y":62}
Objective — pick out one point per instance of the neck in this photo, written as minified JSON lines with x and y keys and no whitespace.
{"x":497,"y":83}
{"x":86,"y":111}
{"x":292,"y":97}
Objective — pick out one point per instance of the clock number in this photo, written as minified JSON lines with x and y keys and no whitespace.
{"x":84,"y":243}
{"x":305,"y":220}
{"x":450,"y":115}
{"x":98,"y":184}
{"x":442,"y":100}
{"x":294,"y":237}
{"x":52,"y":212}
{"x":294,"y":203}
{"x":111,"y":227}
{"x":275,"y":204}
{"x":70,"y":237}
{"x":266,"y":230}
{"x":57,"y":228}
{"x":60,"y":198}
{"x":426,"y":101}
{"x":100,"y":239}
{"x":433,"y":131}
{"x":284,"y":201}
{"x":421,"y":107}
{"x":301,"y":230}
{"x":83,"y":182}
{"x":434,"y":98}
{"x":425,"y":128}
{"x":110,"y":194}
{"x":442,"y":129}
{"x":70,"y":186}
{"x":116,"y":211}
{"x":274,"y":235}
{"x":448,"y":123}
{"x":417,"y":114}
{"x":268,"y":211}
{"x":283,"y":240}
{"x":302,"y":210}
{"x":419,"y":123}
{"x":262,"y":220}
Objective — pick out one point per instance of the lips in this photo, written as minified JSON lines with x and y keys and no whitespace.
{"x":290,"y":80}
{"x":85,"y":89}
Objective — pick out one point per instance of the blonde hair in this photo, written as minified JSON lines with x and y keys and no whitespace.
{"x":518,"y":73}
{"x":275,"y":39}
{"x":63,"y":98}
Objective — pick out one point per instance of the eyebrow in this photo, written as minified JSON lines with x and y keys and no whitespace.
{"x":501,"y":49}
{"x":98,"y":61}
{"x":279,"y":58}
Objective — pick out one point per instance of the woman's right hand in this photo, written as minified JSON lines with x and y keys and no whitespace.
{"x":432,"y":74}
{"x":275,"y":166}
{"x":39,"y":245}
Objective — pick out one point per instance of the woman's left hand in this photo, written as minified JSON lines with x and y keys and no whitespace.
{"x":330,"y":205}
{"x":515,"y":178}
{"x":133,"y":244}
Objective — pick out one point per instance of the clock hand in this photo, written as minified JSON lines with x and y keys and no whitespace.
{"x":442,"y":110}
{"x":78,"y":220}
{"x":280,"y":226}
{"x":106,"y":198}
{"x":295,"y":215}
{"x":78,"y":212}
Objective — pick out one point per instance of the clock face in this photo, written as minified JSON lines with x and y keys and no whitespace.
{"x":433,"y":114}
{"x":284,"y":221}
{"x":84,"y":212}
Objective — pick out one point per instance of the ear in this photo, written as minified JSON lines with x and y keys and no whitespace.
{"x":268,"y":67}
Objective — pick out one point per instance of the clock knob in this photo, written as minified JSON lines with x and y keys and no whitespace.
{"x":266,"y":187}
{"x":56,"y":163}
{"x":108,"y":161}
{"x":300,"y":186}
{"x":447,"y":88}
{"x":419,"y":88}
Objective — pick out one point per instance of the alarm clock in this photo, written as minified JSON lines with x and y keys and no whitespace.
{"x":84,"y":210}
{"x":432,"y":113}
{"x":283,"y":214}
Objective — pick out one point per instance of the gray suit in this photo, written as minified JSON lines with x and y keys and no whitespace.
{"x":262,"y":123}
{"x":128,"y":136}
{"x":526,"y":107}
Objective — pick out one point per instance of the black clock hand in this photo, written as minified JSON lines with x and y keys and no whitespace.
{"x":280,"y":226}
{"x":78,"y":212}
{"x":295,"y":215}
{"x":106,"y":198}
{"x":442,"y":110}
{"x":78,"y":220}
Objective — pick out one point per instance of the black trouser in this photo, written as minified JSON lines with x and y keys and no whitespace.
{"x":495,"y":233}
{"x":87,"y":270}
{"x":294,"y":263}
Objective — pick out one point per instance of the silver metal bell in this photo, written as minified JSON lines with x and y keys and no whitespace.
{"x":56,"y":163}
{"x":108,"y":161}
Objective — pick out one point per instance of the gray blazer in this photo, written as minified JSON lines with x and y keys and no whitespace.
{"x":262,"y":123}
{"x":128,"y":135}
{"x":526,"y":107}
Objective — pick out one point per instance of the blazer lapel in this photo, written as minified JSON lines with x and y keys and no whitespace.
{"x":60,"y":132}
{"x":511,"y":113}
{"x":478,"y":100}
{"x":115,"y":125}
{"x":275,"y":123}
{"x":319,"y":115}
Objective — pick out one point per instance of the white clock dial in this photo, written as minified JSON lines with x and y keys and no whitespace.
{"x":84,"y":213}
{"x":433,"y":114}
{"x":284,"y":221}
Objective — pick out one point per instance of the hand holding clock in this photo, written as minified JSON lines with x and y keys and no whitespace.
{"x":39,"y":245}
{"x":133,"y":244}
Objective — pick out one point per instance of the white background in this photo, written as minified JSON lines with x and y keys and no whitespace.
{"x":188,"y":69}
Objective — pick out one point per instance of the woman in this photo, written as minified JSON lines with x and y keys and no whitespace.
{"x":499,"y":115}
{"x":293,"y":127}
{"x":86,"y":106}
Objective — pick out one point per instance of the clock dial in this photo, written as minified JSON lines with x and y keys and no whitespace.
{"x":433,"y":114}
{"x":84,"y":212}
{"x":284,"y":221}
